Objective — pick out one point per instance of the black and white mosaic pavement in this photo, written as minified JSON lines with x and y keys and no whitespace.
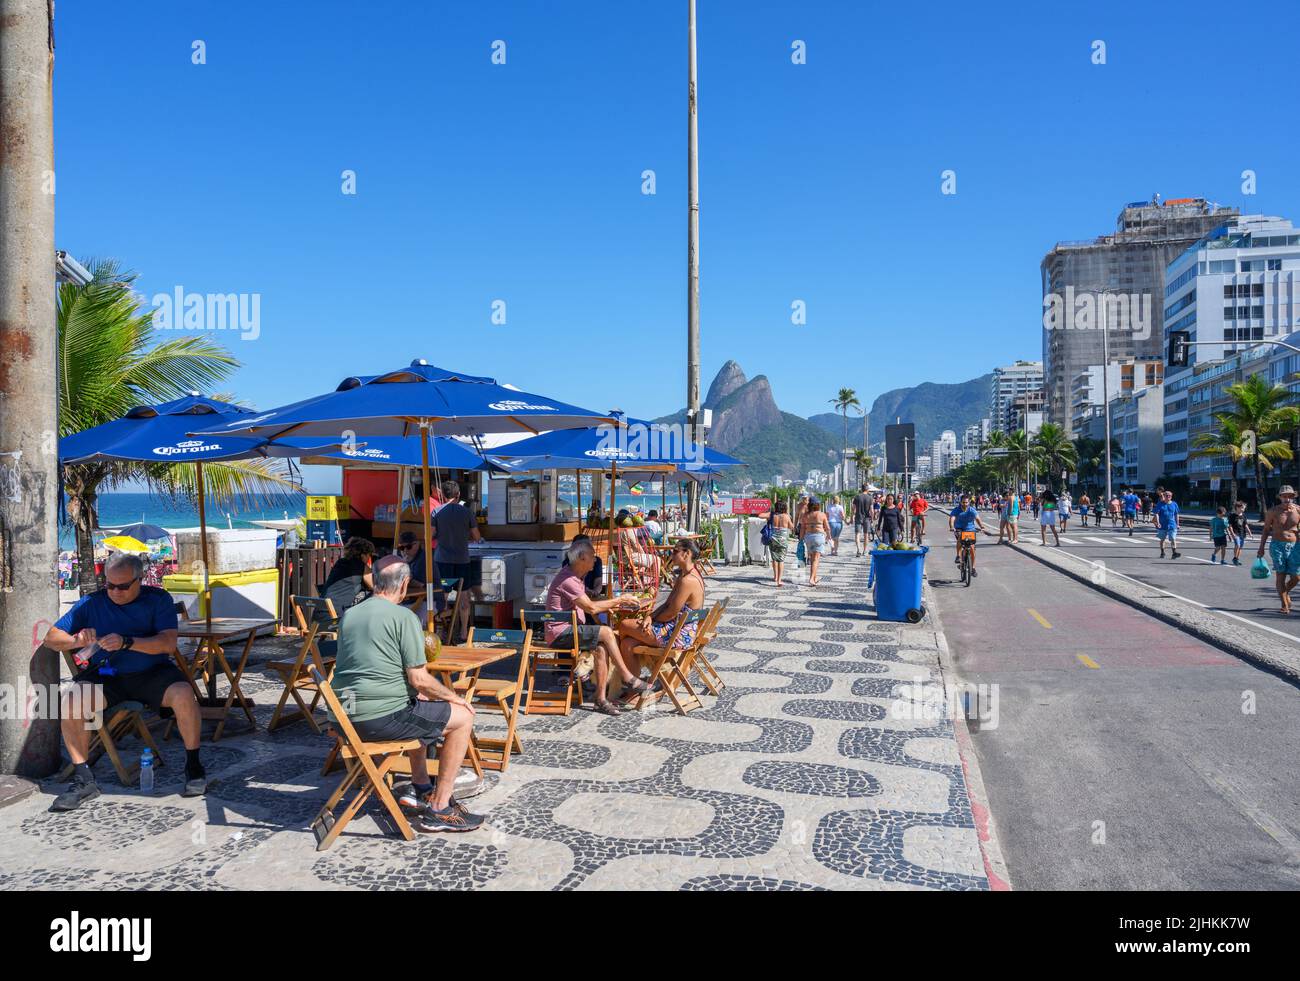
{"x":802,"y":774}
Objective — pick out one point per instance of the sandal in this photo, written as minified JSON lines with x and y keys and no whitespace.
{"x":607,"y":708}
{"x":635,"y":690}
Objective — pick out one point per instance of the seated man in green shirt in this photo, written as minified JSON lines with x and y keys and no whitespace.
{"x":384,"y":684}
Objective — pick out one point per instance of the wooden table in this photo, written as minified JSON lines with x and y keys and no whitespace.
{"x":211,"y":634}
{"x":467,"y":662}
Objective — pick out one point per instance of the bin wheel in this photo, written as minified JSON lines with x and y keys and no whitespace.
{"x":914,"y":616}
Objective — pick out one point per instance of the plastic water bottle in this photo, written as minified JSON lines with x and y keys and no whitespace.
{"x":146,"y":771}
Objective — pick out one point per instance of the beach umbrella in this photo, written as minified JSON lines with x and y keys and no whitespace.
{"x":125,"y":543}
{"x":160,"y":434}
{"x":146,"y":532}
{"x":420,"y":399}
{"x":640,"y":451}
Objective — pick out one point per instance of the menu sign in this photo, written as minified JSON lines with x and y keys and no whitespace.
{"x":750,"y":505}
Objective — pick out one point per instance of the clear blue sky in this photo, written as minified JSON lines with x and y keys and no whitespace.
{"x":478,"y":182}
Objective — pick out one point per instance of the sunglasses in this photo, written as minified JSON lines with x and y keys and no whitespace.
{"x":121,"y":586}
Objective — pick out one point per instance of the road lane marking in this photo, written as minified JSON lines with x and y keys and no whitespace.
{"x":1070,"y":541}
{"x":1248,"y":809}
{"x":1102,"y":541}
{"x":1039,"y":617}
{"x":1185,"y":599}
{"x":1087,"y":661}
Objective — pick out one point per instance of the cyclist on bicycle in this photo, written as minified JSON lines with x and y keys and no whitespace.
{"x":918,"y":506}
{"x":964,"y":518}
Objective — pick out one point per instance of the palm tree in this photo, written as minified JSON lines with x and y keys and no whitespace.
{"x":845,"y":400}
{"x":1267,"y":411}
{"x":862,"y":463}
{"x":107,"y":362}
{"x":1055,"y":451}
{"x":1091,"y":456}
{"x":1226,"y":442}
{"x":1020,"y":454}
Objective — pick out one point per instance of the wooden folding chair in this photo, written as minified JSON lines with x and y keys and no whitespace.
{"x":500,"y":695}
{"x":705,"y":560}
{"x":553,"y":660}
{"x":666,"y":665}
{"x":318,"y":623}
{"x":116,"y":722}
{"x":698,"y":661}
{"x":367,"y":766}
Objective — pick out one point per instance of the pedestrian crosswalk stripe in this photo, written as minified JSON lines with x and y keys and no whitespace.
{"x":1070,"y":541}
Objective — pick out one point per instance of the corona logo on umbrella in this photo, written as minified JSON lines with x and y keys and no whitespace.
{"x":516,"y":406}
{"x":187,"y":446}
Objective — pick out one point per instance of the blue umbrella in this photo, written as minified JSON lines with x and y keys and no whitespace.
{"x":404,"y":451}
{"x":420,"y":398}
{"x":158,"y":434}
{"x":143,"y":532}
{"x":641,"y":446}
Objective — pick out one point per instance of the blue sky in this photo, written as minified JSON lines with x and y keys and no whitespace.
{"x":522,"y":182}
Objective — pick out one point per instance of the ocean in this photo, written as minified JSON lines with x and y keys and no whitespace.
{"x":120,"y":509}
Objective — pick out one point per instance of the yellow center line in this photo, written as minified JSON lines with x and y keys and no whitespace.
{"x":1039,"y":617}
{"x":1087,"y":662}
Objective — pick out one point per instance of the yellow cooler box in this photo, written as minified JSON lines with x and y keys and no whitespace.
{"x":239,"y":594}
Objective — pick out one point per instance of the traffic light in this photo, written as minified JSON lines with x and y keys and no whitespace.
{"x":1179,"y":348}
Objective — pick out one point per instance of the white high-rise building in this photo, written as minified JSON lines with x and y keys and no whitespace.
{"x":1009,"y":383}
{"x":1238,"y":285}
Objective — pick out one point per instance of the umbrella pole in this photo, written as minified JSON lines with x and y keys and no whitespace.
{"x":428,"y":533}
{"x":613,"y":553}
{"x":577,"y":476}
{"x":205,"y":600}
{"x":397,"y":513}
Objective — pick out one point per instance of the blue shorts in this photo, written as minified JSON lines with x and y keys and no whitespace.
{"x":1130,"y":514}
{"x":1169,"y":533}
{"x":814,"y":544}
{"x":1286,"y":558}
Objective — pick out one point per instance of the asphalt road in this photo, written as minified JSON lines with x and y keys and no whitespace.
{"x":1228,"y":590}
{"x":1121,"y":757}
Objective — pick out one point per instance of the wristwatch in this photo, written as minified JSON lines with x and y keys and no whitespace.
{"x":128,"y":643}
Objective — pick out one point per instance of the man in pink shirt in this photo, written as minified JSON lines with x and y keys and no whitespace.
{"x":567,"y":592}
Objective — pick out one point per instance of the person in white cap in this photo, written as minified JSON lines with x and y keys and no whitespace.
{"x":1282,"y":522}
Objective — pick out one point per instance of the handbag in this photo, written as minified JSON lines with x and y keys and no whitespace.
{"x":765,"y":536}
{"x":800,"y":553}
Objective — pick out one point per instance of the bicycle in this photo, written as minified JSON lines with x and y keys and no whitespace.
{"x":965,"y":555}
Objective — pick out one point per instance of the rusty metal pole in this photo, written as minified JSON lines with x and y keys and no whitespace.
{"x":692,"y":270}
{"x":29,"y":593}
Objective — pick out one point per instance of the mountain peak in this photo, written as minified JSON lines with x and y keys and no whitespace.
{"x":728,"y":379}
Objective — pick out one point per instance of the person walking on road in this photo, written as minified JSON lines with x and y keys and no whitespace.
{"x":782,"y":529}
{"x":1066,"y":503}
{"x":1008,"y":518}
{"x":815,"y":531}
{"x":1238,"y":530}
{"x":1219,"y":536}
{"x":1167,"y":524}
{"x":1085,"y":503}
{"x":1129,"y":502}
{"x":890,"y":523}
{"x":1146,"y":508}
{"x":835,"y":515}
{"x":862,"y":522}
{"x":1281,"y":523}
{"x":1047,"y":516}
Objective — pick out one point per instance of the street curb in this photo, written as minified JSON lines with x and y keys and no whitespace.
{"x":14,"y":789}
{"x":995,"y":866}
{"x":1241,"y":641}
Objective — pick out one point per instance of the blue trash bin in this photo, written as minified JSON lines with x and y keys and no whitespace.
{"x":896,"y":576}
